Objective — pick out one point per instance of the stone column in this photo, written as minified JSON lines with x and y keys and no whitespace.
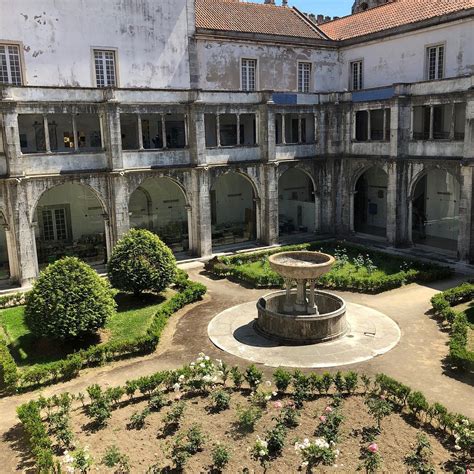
{"x":12,"y":138}
{"x":201,"y":203}
{"x":301,"y":303}
{"x":119,"y":213}
{"x":197,"y":134}
{"x":269,"y":204}
{"x":465,"y":214}
{"x":112,"y":135}
{"x":312,"y":308}
{"x":391,"y":203}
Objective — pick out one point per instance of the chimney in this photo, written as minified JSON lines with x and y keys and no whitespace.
{"x":269,"y":2}
{"x":320,"y":19}
{"x":284,"y":3}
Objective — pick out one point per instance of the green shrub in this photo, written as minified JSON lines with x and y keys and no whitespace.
{"x":141,"y":262}
{"x":247,"y":417}
{"x":220,"y":457}
{"x":8,"y":369}
{"x":282,"y":379}
{"x":220,"y":400}
{"x":417,"y":403}
{"x":275,"y":439}
{"x":253,"y":376}
{"x":68,"y":300}
{"x":114,"y":458}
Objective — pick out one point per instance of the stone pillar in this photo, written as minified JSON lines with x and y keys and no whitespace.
{"x":400,"y":126}
{"x":12,"y":139}
{"x":119,"y":215}
{"x":201,"y":203}
{"x":112,"y":135}
{"x":197,"y":134}
{"x":391,"y":222}
{"x":269,"y":204}
{"x":465,"y":213}
{"x":22,"y":230}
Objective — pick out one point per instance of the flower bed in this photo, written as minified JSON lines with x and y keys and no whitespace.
{"x":11,"y":379}
{"x":210,"y":416}
{"x":459,"y":353}
{"x":356,"y":268}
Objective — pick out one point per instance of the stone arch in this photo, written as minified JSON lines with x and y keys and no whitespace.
{"x":235,"y":214}
{"x":369,"y":189}
{"x":433,"y":215}
{"x":166,"y":211}
{"x":71,"y":218}
{"x":298,"y":208}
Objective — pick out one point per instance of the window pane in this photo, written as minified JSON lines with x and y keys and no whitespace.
{"x":152,"y":131}
{"x":362,"y":124}
{"x":10,"y":67}
{"x":228,"y":129}
{"x":304,"y":77}
{"x":248,"y":72}
{"x":60,"y":221}
{"x":104,"y":68}
{"x":376,"y":124}
{"x":48,"y":228}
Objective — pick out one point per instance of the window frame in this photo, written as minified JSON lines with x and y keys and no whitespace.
{"x":361,"y":75}
{"x":116,"y":66}
{"x":256,"y":81}
{"x":310,"y":80}
{"x":67,"y":222}
{"x":427,"y":61}
{"x":21,"y":60}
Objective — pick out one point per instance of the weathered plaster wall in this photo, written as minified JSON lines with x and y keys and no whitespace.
{"x":402,"y":58}
{"x":151,"y":38}
{"x":219,"y":63}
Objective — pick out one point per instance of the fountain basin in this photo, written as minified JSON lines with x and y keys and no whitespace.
{"x":301,"y":329}
{"x":301,"y":264}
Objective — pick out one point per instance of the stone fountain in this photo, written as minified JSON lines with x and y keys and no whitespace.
{"x":303,"y":315}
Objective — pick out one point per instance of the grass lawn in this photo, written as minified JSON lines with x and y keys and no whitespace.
{"x":132,"y":319}
{"x":356,"y":269}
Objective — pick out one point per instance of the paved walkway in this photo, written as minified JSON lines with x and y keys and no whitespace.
{"x":416,"y":360}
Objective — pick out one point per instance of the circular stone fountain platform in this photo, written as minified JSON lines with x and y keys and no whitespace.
{"x":370,"y":333}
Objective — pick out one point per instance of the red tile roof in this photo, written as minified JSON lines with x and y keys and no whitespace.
{"x":391,"y":15}
{"x":253,"y":18}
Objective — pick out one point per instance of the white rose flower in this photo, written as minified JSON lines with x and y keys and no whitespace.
{"x":206,"y":357}
{"x":176,"y":387}
{"x":202,"y":365}
{"x":262,"y":452}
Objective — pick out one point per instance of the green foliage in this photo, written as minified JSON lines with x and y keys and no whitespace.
{"x":253,"y":376}
{"x":371,"y":461}
{"x":329,"y":425}
{"x":114,"y":458}
{"x":69,"y":368}
{"x":37,"y":436}
{"x":355,"y":270}
{"x":248,"y":417}
{"x":220,"y":400}
{"x":288,"y":416}
{"x":282,"y":379}
{"x":14,"y":299}
{"x":237,"y":377}
{"x":175,"y":415}
{"x":379,"y":407}
{"x":442,"y":303}
{"x":417,"y":403}
{"x":220,"y":456}
{"x":395,"y":391}
{"x":275,"y":439}
{"x":59,"y":423}
{"x":99,"y":409}
{"x":196,"y":439}
{"x":157,"y":401}
{"x":82,"y":460}
{"x":350,"y":381}
{"x":8,"y":369}
{"x":138,"y":419}
{"x":419,"y":461}
{"x":68,"y":300}
{"x":141,"y":262}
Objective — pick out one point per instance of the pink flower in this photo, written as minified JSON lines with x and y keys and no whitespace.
{"x":469,"y":471}
{"x":322,"y":419}
{"x":373,"y":448}
{"x":278,"y":405}
{"x":328,"y":409}
{"x":382,"y":397}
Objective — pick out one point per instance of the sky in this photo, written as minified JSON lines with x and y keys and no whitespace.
{"x":323,"y":7}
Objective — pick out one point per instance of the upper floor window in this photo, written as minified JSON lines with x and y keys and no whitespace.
{"x":105,"y":71}
{"x":249,"y":74}
{"x":435,"y":62}
{"x":304,"y":77}
{"x":356,"y":75}
{"x":10,"y":67}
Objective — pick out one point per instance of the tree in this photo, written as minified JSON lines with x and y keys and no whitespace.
{"x":141,"y":262}
{"x":68,"y":300}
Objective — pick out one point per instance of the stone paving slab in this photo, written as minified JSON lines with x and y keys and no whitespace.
{"x":371,"y":333}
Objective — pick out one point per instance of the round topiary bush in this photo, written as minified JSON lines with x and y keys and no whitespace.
{"x":141,"y":262}
{"x":68,"y":300}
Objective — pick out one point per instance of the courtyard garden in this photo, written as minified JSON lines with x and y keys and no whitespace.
{"x":356,"y":269}
{"x":208,"y":416}
{"x":73,"y":318}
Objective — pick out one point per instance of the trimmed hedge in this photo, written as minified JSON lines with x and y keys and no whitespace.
{"x":442,"y":303}
{"x":420,"y":271}
{"x":8,"y":369}
{"x":14,"y":299}
{"x":66,"y":369}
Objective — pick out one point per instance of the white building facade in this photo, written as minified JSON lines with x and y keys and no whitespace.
{"x":168,"y":116}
